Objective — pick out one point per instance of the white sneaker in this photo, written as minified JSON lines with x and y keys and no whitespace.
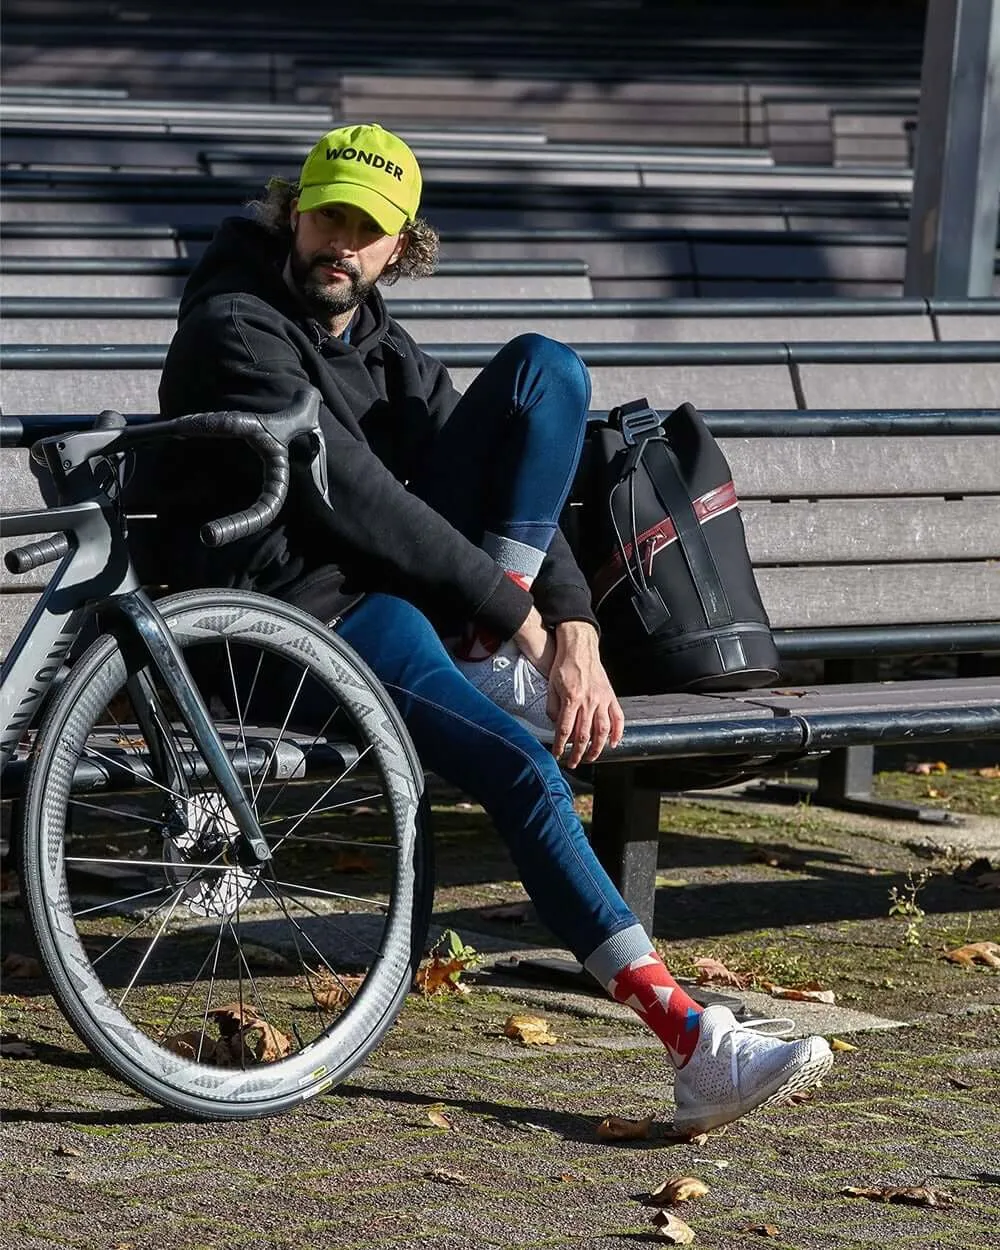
{"x":511,"y":681}
{"x":735,"y":1069}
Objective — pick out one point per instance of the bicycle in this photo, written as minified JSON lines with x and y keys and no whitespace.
{"x":229,"y":935}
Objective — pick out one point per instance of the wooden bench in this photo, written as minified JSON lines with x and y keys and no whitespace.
{"x":874,"y":534}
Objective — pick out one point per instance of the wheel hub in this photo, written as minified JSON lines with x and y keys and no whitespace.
{"x":200,"y":843}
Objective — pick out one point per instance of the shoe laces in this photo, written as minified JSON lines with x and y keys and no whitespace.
{"x":523,"y":677}
{"x":785,"y":1027}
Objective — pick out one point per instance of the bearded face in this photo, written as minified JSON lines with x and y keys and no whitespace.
{"x":327,"y":284}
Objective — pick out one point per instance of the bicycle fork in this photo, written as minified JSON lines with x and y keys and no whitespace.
{"x":154,"y":643}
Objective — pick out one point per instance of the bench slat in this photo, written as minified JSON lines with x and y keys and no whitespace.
{"x":867,"y":530}
{"x":896,"y":386}
{"x":865,"y":697}
{"x":825,"y":467}
{"x":888,"y":594}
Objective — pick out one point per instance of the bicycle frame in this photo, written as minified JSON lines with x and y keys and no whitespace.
{"x":97,"y":574}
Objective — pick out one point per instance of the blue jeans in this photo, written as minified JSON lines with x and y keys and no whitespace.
{"x":504,"y":462}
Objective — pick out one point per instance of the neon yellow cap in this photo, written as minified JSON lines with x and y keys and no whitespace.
{"x":367,"y":167}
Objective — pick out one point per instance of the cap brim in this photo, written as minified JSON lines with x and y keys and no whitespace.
{"x":382,"y":211}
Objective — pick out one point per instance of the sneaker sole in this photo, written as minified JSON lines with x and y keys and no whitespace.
{"x":813,"y":1070}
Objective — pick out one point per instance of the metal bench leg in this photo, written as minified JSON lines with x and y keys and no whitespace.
{"x":844,"y":776}
{"x":623,"y":833}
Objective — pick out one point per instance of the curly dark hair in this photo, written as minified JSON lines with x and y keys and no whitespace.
{"x":419,"y":258}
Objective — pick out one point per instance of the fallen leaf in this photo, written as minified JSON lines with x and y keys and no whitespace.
{"x":574,"y":1178}
{"x":672,"y":1229}
{"x":976,"y":952}
{"x":438,"y":1119}
{"x":15,"y":965}
{"x":445,"y":1177}
{"x":530,"y":1030}
{"x":677,"y":1189}
{"x":439,"y":975}
{"x":513,"y":913}
{"x":763,"y":1230}
{"x":191,"y":1045}
{"x":714,"y":972}
{"x":231,"y":1017}
{"x":69,"y":1152}
{"x":332,"y":992}
{"x":12,"y":1047}
{"x":810,"y":993}
{"x":917,"y":1196}
{"x":264,"y":1042}
{"x":715,"y":1163}
{"x":958,"y":1083}
{"x":797,"y":1096}
{"x":614,"y":1128}
{"x":837,"y":1044}
{"x":926,"y":769}
{"x":697,"y":1139}
{"x":991,"y":774}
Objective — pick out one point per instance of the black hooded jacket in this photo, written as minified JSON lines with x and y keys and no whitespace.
{"x":244,"y":342}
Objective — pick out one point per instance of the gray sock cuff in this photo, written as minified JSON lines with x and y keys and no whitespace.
{"x":513,"y":556}
{"x":616,"y":952}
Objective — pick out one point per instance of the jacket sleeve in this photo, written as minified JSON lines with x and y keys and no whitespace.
{"x":384,"y":537}
{"x":560,"y":590}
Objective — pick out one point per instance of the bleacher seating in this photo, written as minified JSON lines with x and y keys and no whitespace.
{"x":712,"y":208}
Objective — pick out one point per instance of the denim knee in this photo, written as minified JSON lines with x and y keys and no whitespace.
{"x":557,"y":364}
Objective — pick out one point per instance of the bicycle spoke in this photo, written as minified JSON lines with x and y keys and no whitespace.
{"x":326,"y":917}
{"x":297,"y":929}
{"x":322,"y":811}
{"x":333,"y":785}
{"x":108,"y":811}
{"x":149,"y":863}
{"x":165,"y":1031}
{"x":119,"y":902}
{"x":145,"y":920}
{"x":320,"y":733}
{"x":150,"y":948}
{"x":314,"y":889}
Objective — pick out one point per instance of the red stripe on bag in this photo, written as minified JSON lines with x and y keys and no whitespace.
{"x":653,"y":540}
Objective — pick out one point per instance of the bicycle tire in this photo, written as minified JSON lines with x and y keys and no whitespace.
{"x":82,"y":945}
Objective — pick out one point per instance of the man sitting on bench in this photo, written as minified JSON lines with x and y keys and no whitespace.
{"x":444,"y":523}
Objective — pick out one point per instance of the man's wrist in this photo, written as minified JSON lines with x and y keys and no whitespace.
{"x":575,"y":630}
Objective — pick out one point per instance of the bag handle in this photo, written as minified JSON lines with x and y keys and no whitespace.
{"x":635,"y":421}
{"x":665,"y":477}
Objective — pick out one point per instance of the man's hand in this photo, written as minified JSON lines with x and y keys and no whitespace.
{"x":581,"y":702}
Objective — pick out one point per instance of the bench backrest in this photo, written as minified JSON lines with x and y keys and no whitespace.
{"x":846,"y":529}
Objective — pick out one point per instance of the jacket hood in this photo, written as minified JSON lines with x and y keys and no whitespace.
{"x":245,"y":258}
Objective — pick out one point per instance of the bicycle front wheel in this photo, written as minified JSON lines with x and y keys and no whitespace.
{"x":213,"y":983}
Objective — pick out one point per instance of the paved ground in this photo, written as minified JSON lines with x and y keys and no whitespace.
{"x":786,"y":895}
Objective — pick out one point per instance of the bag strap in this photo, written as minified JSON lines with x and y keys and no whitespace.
{"x":668,"y":483}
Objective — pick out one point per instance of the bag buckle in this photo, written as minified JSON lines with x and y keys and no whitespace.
{"x":636,"y":420}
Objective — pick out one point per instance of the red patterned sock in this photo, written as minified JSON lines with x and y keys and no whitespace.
{"x":647,"y":987}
